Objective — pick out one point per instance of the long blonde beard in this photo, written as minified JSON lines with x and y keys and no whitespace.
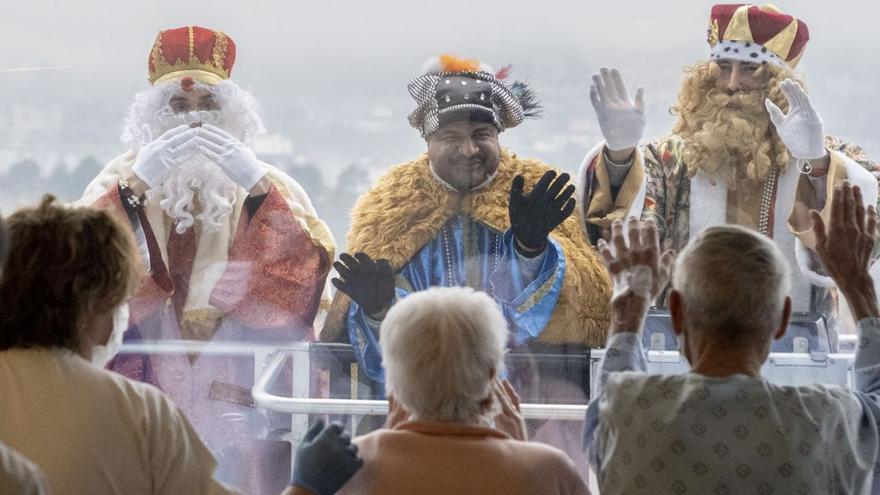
{"x":730,"y":137}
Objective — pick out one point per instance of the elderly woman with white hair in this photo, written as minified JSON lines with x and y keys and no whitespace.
{"x":443,"y":352}
{"x":722,"y":428}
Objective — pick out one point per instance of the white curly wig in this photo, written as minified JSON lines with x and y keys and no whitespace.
{"x":150,"y":114}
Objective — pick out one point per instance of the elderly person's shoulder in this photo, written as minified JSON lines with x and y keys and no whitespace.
{"x":438,"y":457}
{"x":63,"y":370}
{"x":415,"y":431}
{"x":816,"y":403}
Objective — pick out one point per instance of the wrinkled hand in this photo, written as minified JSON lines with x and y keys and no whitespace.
{"x":510,"y":420}
{"x":621,"y":120}
{"x":533,"y":216}
{"x":326,"y":459}
{"x":368,"y":283}
{"x":845,"y":246}
{"x":236,"y":160}
{"x":638,"y":271}
{"x":801,"y":130}
{"x":156,"y":159}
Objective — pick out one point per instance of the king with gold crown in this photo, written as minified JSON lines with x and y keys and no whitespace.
{"x":748,"y":147}
{"x":234,"y":248}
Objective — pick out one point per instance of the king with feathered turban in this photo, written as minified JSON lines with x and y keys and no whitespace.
{"x":468,"y":213}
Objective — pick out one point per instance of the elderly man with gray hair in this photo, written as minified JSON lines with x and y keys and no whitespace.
{"x":722,"y":428}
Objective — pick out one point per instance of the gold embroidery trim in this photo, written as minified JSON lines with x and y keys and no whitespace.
{"x":540,"y":293}
{"x":210,"y":72}
{"x":192,"y":42}
{"x":220,"y":47}
{"x":713,"y":32}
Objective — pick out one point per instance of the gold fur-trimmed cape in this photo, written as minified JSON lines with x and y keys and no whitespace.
{"x":407,"y":208}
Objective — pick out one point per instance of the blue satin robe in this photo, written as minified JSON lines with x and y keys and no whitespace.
{"x":469,"y":253}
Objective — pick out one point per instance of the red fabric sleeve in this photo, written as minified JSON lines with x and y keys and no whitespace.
{"x":157,"y":288}
{"x":275,"y":273}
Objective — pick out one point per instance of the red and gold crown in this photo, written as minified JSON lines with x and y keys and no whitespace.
{"x":202,"y":54}
{"x":756,"y":34}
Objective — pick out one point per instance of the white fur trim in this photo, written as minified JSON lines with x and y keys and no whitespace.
{"x":745,"y":51}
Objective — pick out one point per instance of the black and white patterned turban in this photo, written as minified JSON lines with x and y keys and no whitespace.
{"x":450,"y":96}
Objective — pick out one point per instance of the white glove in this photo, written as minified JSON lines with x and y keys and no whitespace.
{"x":802,"y":129}
{"x":156,"y":159}
{"x":237,"y":160}
{"x":622,"y":121}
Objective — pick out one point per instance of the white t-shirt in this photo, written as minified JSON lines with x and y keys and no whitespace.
{"x":94,"y":431}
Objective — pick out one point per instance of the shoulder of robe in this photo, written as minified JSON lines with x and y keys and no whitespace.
{"x":852,"y":151}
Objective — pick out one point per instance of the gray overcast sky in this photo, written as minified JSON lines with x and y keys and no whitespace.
{"x":331,"y":75}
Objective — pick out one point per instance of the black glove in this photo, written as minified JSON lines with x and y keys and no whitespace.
{"x":368,"y":283}
{"x":535,"y":215}
{"x":325,"y":460}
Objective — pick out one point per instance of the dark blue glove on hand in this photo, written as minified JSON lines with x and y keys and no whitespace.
{"x":326,"y":459}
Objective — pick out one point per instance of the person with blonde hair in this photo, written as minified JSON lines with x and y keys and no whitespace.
{"x":63,"y":311}
{"x":748,"y":148}
{"x":454,"y":426}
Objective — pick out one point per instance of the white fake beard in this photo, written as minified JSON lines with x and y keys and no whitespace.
{"x":102,"y":354}
{"x":196,"y":179}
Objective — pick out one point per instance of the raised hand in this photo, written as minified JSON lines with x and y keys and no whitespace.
{"x":845,"y":246}
{"x":156,"y":159}
{"x":510,"y":420}
{"x":326,"y":459}
{"x":534,"y":215}
{"x":368,"y":283}
{"x":638,"y":271}
{"x":621,"y":120}
{"x":237,"y":160}
{"x":801,"y":130}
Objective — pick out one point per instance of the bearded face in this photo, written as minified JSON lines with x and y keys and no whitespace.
{"x":197,"y":190}
{"x":725,"y":127}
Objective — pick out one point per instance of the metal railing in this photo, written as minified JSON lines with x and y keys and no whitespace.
{"x":360,"y":407}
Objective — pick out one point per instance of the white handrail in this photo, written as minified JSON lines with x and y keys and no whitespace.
{"x":296,"y":405}
{"x":211,"y":347}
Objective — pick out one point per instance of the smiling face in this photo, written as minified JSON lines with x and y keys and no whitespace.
{"x":464,"y":154}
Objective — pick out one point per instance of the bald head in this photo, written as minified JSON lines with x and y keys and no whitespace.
{"x":733,"y":284}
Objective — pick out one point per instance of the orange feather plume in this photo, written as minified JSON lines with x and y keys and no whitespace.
{"x":451,"y":63}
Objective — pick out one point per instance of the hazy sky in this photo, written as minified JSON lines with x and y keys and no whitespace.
{"x":331,"y":75}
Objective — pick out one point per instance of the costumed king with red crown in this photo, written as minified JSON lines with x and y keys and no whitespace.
{"x":748,"y":148}
{"x":234,"y":248}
